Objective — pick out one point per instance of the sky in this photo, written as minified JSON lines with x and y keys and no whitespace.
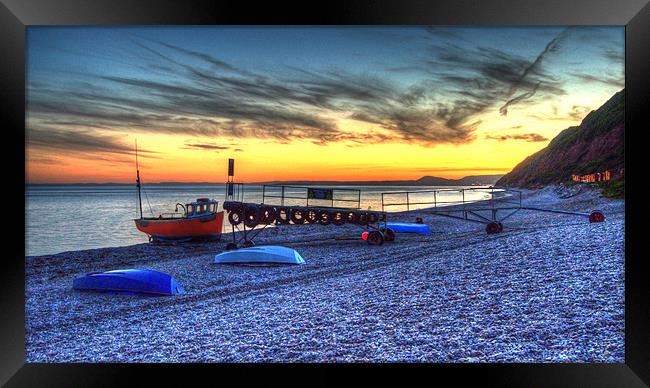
{"x":306,"y":103}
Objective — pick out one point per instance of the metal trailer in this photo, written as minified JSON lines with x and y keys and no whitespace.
{"x":283,"y":204}
{"x":486,"y":211}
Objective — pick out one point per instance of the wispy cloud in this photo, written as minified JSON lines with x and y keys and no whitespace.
{"x":535,"y":67}
{"x":606,"y":79}
{"x":578,"y":112}
{"x":614,"y":55}
{"x":479,"y":78}
{"x":198,"y":94}
{"x":208,"y":147}
{"x":529,"y":137}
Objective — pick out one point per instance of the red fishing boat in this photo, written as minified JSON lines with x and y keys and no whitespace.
{"x":199,"y":220}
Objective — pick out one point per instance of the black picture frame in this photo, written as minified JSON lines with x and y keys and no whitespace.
{"x":15,"y":15}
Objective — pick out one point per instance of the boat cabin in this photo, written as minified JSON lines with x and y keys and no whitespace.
{"x":201,"y":207}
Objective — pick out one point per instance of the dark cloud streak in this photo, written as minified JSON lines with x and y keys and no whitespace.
{"x":81,"y":142}
{"x":529,"y":137}
{"x":209,"y":147}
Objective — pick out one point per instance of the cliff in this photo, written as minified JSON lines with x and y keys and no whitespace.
{"x":597,"y":144}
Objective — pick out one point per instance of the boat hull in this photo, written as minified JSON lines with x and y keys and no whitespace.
{"x":400,"y":227}
{"x":196,"y":228}
{"x":144,"y":282}
{"x":261,"y":254}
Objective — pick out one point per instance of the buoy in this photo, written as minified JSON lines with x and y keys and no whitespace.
{"x":596,"y":216}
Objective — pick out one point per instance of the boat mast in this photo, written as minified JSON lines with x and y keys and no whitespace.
{"x":137,"y":168}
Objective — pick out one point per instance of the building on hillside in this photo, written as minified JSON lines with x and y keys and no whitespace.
{"x":596,"y":177}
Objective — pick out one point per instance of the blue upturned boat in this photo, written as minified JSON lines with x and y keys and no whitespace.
{"x":261,"y":254}
{"x":399,"y":227}
{"x":129,"y":281}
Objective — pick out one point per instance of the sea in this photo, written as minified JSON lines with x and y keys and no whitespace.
{"x":70,"y":217}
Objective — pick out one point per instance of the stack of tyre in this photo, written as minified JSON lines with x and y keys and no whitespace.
{"x":252,"y":215}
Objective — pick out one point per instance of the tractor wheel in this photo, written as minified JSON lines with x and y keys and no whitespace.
{"x":492,"y":228}
{"x":596,"y":216}
{"x":389,"y":234}
{"x":375,"y":238}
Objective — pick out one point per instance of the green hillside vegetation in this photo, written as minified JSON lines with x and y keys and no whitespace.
{"x":614,"y":188}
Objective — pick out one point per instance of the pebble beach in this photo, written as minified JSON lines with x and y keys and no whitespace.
{"x":549,"y":288}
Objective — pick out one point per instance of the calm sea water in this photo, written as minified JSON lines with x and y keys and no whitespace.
{"x":74,"y":217}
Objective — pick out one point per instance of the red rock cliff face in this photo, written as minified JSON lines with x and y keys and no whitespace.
{"x":597,"y":144}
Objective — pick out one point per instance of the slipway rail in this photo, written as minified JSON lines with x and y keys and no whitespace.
{"x":488,"y":205}
{"x":300,"y":205}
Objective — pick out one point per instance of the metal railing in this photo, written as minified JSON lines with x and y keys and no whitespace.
{"x":284,"y":193}
{"x":497,"y":196}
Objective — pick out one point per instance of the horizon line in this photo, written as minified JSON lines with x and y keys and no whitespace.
{"x":258,"y":182}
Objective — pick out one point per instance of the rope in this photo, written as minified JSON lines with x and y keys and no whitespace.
{"x":147,"y":197}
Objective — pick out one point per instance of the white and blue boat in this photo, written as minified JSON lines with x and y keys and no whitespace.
{"x":271,"y":254}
